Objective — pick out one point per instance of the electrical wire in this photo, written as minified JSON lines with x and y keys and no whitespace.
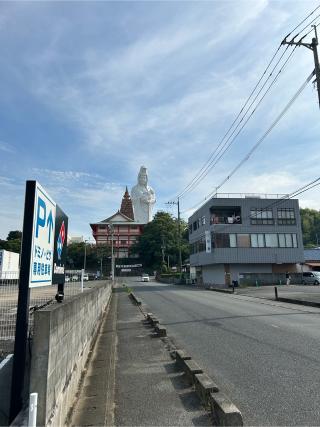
{"x":298,"y":191}
{"x":227,"y":145}
{"x":260,"y":140}
{"x":208,"y":164}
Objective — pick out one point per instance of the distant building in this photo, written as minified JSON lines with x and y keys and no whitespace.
{"x":312,"y":259}
{"x":75,"y":239}
{"x":121,"y":227}
{"x":232,"y":236}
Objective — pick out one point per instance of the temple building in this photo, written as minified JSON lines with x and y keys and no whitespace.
{"x":121,"y":227}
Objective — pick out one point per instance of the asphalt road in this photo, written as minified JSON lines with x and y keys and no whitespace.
{"x":263,"y":354}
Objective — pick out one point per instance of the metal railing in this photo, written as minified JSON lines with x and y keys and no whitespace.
{"x":249,"y":195}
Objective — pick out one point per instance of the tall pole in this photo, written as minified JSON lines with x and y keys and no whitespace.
{"x":85,"y":256}
{"x":312,"y":46}
{"x":179,"y":233}
{"x":112,"y":259}
{"x":179,"y":238}
{"x":22,"y":320}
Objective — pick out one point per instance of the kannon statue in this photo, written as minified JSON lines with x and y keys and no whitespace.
{"x":143,"y":198}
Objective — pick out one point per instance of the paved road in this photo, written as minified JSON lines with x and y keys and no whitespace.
{"x":263,"y":354}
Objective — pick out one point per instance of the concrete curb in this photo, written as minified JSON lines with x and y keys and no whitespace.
{"x":224,"y":291}
{"x":223,"y":411}
{"x":299,"y":302}
{"x":134,"y":298}
{"x":204,"y":386}
{"x":159,"y":329}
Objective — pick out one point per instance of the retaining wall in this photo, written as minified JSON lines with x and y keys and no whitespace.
{"x":63,"y":334}
{"x":5,"y":389}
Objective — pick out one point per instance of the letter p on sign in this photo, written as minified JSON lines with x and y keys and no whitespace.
{"x":41,"y":215}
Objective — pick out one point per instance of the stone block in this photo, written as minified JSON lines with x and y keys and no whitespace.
{"x":191,"y":368}
{"x":204,"y":386}
{"x":224,"y":412}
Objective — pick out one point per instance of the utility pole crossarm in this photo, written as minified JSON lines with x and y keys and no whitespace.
{"x":312,"y":46}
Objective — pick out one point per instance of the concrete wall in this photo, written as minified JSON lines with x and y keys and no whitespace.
{"x":63,"y":334}
{"x":5,"y":389}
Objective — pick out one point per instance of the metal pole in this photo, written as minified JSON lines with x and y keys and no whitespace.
{"x":21,"y":336}
{"x":33,"y":405}
{"x":85,"y":255}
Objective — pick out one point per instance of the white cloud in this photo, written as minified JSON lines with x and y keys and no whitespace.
{"x":7,"y":148}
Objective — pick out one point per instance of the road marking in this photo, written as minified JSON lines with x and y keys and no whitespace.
{"x":275,"y":326}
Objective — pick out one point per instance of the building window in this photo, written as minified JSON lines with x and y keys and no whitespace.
{"x":225,"y":215}
{"x":203,"y":220}
{"x":233,"y":240}
{"x":123,"y":242}
{"x":294,"y":240}
{"x":220,"y":240}
{"x":257,"y":240}
{"x":286,"y":216}
{"x":261,"y":216}
{"x":190,"y":228}
{"x":288,"y":240}
{"x":102,"y":227}
{"x":195,"y":225}
{"x":271,"y":240}
{"x":243,"y":240}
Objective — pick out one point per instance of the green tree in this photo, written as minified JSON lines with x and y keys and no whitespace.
{"x":161,"y":236}
{"x":14,"y":235}
{"x":13,"y":242}
{"x":94,"y":255}
{"x":310,"y":222}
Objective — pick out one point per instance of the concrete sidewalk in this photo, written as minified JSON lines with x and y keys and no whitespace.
{"x":143,"y":387}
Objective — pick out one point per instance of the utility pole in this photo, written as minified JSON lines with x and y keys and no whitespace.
{"x":312,"y":46}
{"x":162,"y":249}
{"x":111,"y":230}
{"x":179,"y":232}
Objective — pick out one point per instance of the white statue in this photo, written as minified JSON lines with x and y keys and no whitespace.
{"x":143,"y":198}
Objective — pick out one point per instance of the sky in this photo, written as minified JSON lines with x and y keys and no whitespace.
{"x":90,"y":91}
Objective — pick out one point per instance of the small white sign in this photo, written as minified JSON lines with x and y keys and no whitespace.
{"x":42,"y":248}
{"x":208,"y":241}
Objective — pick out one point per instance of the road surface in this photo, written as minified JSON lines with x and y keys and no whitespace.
{"x":263,"y":354}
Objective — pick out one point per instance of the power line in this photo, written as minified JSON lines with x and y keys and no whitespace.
{"x":205,"y":168}
{"x":303,"y":189}
{"x":227,"y":145}
{"x":260,"y":140}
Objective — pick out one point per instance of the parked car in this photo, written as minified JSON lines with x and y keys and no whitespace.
{"x":145,"y":278}
{"x":311,"y":278}
{"x":67,"y":279}
{"x":75,"y":278}
{"x":86,"y":277}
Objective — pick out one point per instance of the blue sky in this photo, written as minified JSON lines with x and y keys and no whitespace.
{"x":92,"y":90}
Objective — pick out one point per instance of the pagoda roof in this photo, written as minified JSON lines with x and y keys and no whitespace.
{"x":117,"y":218}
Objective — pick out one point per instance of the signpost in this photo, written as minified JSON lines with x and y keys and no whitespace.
{"x":43,"y":254}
